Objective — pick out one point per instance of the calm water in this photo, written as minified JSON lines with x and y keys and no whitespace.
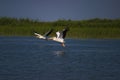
{"x":29,"y":58}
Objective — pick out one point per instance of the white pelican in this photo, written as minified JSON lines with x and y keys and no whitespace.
{"x":60,"y":36}
{"x":45,"y":36}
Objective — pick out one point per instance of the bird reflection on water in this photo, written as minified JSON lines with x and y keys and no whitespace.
{"x":59,"y":53}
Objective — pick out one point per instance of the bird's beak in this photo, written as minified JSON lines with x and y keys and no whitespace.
{"x":63,"y":44}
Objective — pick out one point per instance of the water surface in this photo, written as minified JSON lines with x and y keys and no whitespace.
{"x":29,"y":58}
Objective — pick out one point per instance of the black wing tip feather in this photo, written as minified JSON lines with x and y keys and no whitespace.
{"x":49,"y":32}
{"x":65,"y":32}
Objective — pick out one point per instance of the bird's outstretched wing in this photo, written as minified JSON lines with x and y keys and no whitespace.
{"x":35,"y":33}
{"x":58,"y":34}
{"x":48,"y":33}
{"x":63,"y":33}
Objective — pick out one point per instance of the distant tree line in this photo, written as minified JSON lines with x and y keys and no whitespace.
{"x":72,"y":23}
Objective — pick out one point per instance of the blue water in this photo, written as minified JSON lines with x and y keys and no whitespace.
{"x":29,"y":58}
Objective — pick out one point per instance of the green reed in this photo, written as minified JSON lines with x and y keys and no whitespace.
{"x":93,"y":28}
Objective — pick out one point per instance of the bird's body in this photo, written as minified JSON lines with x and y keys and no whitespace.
{"x":60,"y":35}
{"x":61,"y":40}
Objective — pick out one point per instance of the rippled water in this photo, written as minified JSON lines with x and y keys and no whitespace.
{"x":29,"y":58}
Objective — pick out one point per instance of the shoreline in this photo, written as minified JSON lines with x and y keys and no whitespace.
{"x":51,"y":36}
{"x":93,"y":28}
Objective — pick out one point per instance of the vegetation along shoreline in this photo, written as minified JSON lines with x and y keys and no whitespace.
{"x":92,"y":28}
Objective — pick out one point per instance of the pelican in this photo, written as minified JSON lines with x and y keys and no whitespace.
{"x":45,"y":36}
{"x":60,"y":35}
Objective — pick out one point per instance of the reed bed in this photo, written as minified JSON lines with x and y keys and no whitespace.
{"x":93,"y":28}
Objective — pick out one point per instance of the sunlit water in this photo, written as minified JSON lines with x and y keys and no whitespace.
{"x":29,"y":58}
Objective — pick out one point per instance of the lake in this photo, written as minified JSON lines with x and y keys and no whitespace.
{"x":29,"y":58}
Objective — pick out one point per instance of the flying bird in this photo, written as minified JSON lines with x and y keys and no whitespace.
{"x":60,"y":36}
{"x":45,"y":36}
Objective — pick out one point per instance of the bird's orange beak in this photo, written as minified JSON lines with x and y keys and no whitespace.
{"x":63,"y":44}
